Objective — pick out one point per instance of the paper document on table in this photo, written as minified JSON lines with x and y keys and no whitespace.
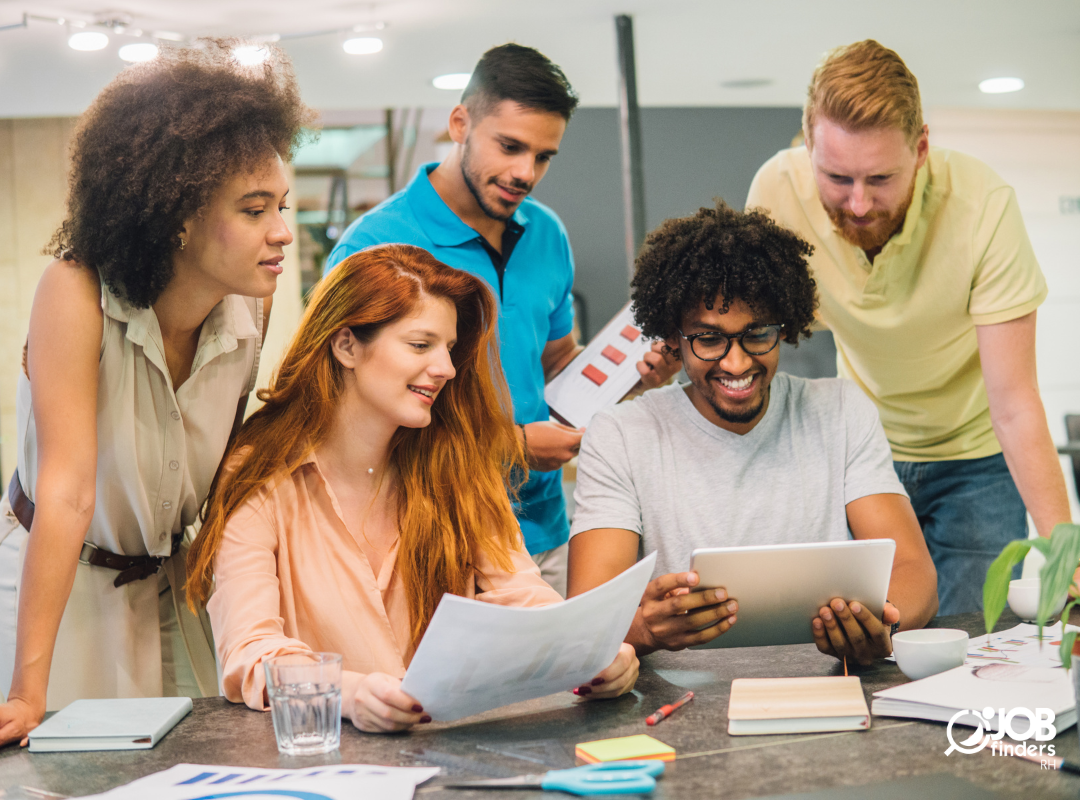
{"x":476,"y":656}
{"x":601,"y":374}
{"x":1019,"y":645}
{"x":337,"y":782}
{"x":997,"y":686}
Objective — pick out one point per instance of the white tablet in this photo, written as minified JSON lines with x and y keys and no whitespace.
{"x":781,"y":587}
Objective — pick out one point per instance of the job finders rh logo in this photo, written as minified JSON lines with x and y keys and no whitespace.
{"x":1040,"y":725}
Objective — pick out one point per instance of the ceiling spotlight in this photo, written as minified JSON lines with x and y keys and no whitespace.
{"x":250,"y":56}
{"x":139,"y":51}
{"x":1001,"y":85}
{"x":455,"y":81}
{"x":363,"y":45}
{"x":88,"y":40}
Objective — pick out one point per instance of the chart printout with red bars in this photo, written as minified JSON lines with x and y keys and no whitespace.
{"x":602,"y":373}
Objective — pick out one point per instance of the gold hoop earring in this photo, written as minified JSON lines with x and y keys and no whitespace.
{"x":182,"y":242}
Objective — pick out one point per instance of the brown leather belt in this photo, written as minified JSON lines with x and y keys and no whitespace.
{"x":131,"y":568}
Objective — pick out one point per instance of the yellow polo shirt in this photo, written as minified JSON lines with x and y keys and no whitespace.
{"x":904,"y":326}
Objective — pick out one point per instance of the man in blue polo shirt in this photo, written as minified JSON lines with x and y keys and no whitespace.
{"x":473,"y":212}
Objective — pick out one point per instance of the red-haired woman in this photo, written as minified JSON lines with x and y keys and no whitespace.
{"x":371,"y":482}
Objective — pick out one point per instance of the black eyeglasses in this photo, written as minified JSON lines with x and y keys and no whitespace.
{"x":713,"y":346}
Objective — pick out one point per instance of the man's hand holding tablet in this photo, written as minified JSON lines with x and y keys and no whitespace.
{"x":851,"y":631}
{"x":672,"y":617}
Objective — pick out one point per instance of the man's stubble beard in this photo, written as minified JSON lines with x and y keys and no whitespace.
{"x":473,"y":180}
{"x":871,"y":239}
{"x":736,"y":418}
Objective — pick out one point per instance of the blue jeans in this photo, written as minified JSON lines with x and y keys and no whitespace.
{"x":969,"y":510}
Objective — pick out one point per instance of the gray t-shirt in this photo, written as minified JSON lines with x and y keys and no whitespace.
{"x":657,"y":467}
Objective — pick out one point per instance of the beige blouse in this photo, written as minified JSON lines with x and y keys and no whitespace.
{"x":158,"y":451}
{"x":292,"y":578}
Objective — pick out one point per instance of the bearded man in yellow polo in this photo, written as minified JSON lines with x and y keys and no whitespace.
{"x":930,"y":286}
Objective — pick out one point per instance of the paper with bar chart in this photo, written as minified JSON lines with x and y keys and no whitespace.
{"x":516,"y":654}
{"x":602,"y":373}
{"x":334,"y":782}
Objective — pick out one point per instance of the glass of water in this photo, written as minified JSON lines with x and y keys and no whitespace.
{"x":305,"y":701}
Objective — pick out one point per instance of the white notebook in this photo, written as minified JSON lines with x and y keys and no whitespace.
{"x":113,"y":724}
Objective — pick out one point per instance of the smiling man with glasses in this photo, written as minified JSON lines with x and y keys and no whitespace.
{"x":742,"y":455}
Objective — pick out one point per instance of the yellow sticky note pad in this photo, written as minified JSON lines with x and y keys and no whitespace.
{"x":624,"y":748}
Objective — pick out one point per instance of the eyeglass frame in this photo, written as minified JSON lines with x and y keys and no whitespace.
{"x":731,"y":339}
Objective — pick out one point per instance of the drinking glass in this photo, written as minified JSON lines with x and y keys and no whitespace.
{"x":305,"y":702}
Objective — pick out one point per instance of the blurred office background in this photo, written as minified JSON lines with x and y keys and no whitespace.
{"x":720,"y":85}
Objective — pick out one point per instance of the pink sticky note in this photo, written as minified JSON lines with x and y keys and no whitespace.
{"x":594,"y":375}
{"x":630,"y":332}
{"x":611,"y":354}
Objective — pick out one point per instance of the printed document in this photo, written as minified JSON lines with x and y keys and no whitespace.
{"x":337,"y":782}
{"x":601,"y":374}
{"x":477,"y":656}
{"x":1019,"y":645}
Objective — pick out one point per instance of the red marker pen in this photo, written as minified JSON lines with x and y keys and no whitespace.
{"x":666,"y":711}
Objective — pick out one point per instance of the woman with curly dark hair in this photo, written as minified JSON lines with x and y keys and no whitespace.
{"x":144,"y":336}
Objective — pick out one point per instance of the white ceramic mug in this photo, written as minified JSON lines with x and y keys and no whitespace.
{"x":1024,"y":600}
{"x":923,"y":653}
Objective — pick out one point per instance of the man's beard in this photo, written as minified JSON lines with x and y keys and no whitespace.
{"x":474,"y":180}
{"x":735,"y":417}
{"x":872,"y":237}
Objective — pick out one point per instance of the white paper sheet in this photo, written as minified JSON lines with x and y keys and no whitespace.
{"x":992,"y":685}
{"x":338,"y":782}
{"x":477,"y":656}
{"x":1018,"y":645}
{"x":576,"y":397}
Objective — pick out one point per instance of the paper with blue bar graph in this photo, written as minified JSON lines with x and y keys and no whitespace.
{"x":478,"y":656}
{"x":338,"y":782}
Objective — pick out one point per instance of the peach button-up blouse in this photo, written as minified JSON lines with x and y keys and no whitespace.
{"x":291,"y":578}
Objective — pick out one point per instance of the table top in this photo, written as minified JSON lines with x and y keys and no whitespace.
{"x":710,"y":764}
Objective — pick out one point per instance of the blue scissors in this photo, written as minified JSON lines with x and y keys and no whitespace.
{"x":611,"y":777}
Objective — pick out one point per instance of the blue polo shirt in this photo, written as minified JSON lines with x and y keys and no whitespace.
{"x":535,"y":307}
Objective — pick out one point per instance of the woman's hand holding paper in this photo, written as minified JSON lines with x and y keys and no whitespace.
{"x":376,"y":704}
{"x":616,"y":680}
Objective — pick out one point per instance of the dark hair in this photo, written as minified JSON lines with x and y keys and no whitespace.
{"x":154,"y":146}
{"x":521,"y":74}
{"x":720,"y":251}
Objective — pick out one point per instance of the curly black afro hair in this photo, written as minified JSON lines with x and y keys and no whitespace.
{"x":154,"y":146}
{"x":720,"y":251}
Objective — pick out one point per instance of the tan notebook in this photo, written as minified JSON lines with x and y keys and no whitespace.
{"x":796,"y":705}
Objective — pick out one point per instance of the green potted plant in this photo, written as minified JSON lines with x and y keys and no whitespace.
{"x":1062,"y":551}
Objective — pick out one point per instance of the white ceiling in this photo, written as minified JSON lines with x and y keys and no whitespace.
{"x":685,"y":48}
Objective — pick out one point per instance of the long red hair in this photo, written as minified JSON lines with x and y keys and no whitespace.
{"x":453,"y":475}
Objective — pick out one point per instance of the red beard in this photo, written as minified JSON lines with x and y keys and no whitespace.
{"x":871,"y":237}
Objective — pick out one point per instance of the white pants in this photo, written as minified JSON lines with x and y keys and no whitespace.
{"x":553,"y":565}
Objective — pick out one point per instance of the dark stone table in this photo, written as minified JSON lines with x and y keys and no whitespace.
{"x":710,"y":763}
